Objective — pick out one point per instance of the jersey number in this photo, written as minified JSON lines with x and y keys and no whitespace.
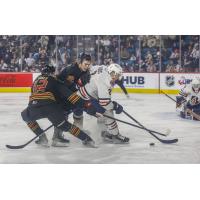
{"x":40,"y":85}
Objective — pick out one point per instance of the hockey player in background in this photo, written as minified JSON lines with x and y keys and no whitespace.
{"x":99,"y":88}
{"x":121,"y":85}
{"x":190,"y":98}
{"x":48,"y":98}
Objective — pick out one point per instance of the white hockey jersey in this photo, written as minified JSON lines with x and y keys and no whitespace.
{"x":99,"y":87}
{"x":189,"y":93}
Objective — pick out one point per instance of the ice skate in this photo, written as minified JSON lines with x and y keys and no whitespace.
{"x":42,"y":141}
{"x":89,"y":143}
{"x":58,"y":139}
{"x":60,"y":142}
{"x":115,"y":139}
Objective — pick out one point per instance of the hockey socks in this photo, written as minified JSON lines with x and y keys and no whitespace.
{"x":34,"y":126}
{"x":74,"y":130}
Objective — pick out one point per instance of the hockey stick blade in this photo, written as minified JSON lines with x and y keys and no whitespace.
{"x":21,"y":146}
{"x":164,"y":141}
{"x":172,"y":141}
{"x":24,"y":145}
{"x":15,"y":147}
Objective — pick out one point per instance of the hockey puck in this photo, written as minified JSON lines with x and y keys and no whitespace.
{"x":151,"y":144}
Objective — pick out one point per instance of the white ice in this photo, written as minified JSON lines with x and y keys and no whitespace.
{"x":155,"y":111}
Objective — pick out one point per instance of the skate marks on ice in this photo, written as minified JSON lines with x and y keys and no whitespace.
{"x":153,"y":111}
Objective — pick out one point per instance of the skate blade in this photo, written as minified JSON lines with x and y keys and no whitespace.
{"x":114,"y":141}
{"x":60,"y":145}
{"x":91,"y":146}
{"x":43,"y":145}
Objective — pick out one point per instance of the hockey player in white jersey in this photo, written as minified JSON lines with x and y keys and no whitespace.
{"x":100,"y":86}
{"x":190,"y":97}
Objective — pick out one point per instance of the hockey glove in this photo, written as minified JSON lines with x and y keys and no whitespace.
{"x":84,"y":79}
{"x":180,"y":100}
{"x":92,"y":107}
{"x":194,"y":101}
{"x":117,"y":107}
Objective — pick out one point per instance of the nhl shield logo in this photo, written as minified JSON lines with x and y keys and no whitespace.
{"x":169,"y":80}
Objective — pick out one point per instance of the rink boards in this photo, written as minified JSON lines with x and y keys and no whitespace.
{"x":152,"y":83}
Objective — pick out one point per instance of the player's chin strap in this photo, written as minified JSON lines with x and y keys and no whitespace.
{"x":187,"y":110}
{"x":165,"y":141}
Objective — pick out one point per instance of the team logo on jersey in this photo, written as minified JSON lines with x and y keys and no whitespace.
{"x":184,"y":81}
{"x":170,"y":80}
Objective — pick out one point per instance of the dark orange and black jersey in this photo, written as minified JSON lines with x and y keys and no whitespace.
{"x":49,"y":89}
{"x":71,"y":75}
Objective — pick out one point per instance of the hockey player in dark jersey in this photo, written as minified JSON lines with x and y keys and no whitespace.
{"x":121,"y":85}
{"x":74,"y":76}
{"x":48,"y":97}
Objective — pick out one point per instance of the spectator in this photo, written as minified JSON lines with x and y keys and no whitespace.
{"x":30,"y":61}
{"x":178,"y":67}
{"x":170,"y":67}
{"x":30,"y":53}
{"x":151,"y":66}
{"x":3,"y":66}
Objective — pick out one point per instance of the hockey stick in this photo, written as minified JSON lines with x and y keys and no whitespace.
{"x":169,"y":96}
{"x":23,"y":145}
{"x":143,"y":126}
{"x":170,"y":141}
{"x":173,"y":99}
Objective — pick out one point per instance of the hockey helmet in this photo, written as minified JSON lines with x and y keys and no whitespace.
{"x":48,"y":69}
{"x":196,"y":85}
{"x":116,"y":70}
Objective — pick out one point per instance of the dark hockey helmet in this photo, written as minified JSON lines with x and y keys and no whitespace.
{"x":48,"y":69}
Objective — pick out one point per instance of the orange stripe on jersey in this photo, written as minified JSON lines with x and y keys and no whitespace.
{"x":73,"y":98}
{"x":45,"y":95}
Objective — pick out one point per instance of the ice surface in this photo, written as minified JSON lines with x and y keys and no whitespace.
{"x":156,"y":112}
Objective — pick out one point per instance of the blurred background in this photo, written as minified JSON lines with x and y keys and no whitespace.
{"x":144,"y":53}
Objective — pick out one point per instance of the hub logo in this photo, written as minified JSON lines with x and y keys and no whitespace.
{"x":139,"y":80}
{"x":184,"y":81}
{"x":170,"y":80}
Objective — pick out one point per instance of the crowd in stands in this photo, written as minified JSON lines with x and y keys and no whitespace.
{"x":134,"y":53}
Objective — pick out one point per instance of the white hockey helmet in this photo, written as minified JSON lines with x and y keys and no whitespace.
{"x":116,"y":70}
{"x":196,"y":84}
